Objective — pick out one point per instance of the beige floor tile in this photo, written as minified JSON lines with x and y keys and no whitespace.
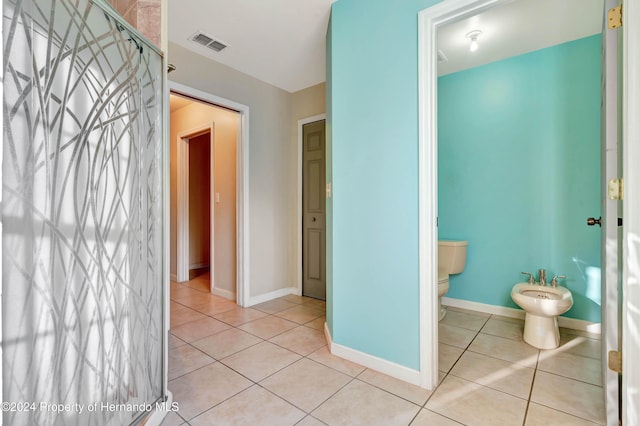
{"x":254,"y":406}
{"x":323,"y":356}
{"x":261,"y":360}
{"x":302,"y":340}
{"x":180,"y":291}
{"x":185,"y":359}
{"x":315,"y":303}
{"x":495,"y":373}
{"x":200,"y":284}
{"x":506,"y":329}
{"x":359,"y":403}
{"x":273,"y":306}
{"x":199,"y":329}
{"x":574,"y":332}
{"x":183,"y":315}
{"x":455,"y":336}
{"x":474,"y":404}
{"x":238,"y":316}
{"x":174,"y":342}
{"x":505,"y":349}
{"x":293,"y":298}
{"x":172,"y":419}
{"x":539,"y":415}
{"x":306,"y":384}
{"x":447,"y":356}
{"x":310,"y":421}
{"x":570,"y":396}
{"x":467,"y":311}
{"x":572,"y":366}
{"x":193,"y":298}
{"x":405,"y":390}
{"x":578,"y":345}
{"x":464,"y":320}
{"x":214,"y":306}
{"x":317,"y":324}
{"x":200,"y":390}
{"x":429,"y":418}
{"x":226,"y":343}
{"x":268,"y":326}
{"x":516,"y":320}
{"x":301,"y":314}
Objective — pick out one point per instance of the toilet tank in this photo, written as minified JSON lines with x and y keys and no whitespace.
{"x":452,"y":256}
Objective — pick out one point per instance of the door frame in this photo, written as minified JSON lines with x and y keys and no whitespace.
{"x":428,"y":21}
{"x":182,"y":200}
{"x":301,"y":123}
{"x":242,"y":183}
{"x":631,"y":211}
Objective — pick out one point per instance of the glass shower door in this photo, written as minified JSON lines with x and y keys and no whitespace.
{"x":82,"y":215}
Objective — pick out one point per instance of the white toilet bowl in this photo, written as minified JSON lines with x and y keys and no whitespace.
{"x":452,"y":257}
{"x":543,"y":305}
{"x":443,"y":287}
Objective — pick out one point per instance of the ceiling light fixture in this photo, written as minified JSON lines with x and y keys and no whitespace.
{"x":473,"y":35}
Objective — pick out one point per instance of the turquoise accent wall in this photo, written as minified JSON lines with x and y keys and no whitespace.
{"x":519,"y":172}
{"x":373,"y":92}
{"x":329,"y":177}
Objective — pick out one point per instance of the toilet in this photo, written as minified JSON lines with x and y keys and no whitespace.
{"x":452,"y":257}
{"x":542,"y":304}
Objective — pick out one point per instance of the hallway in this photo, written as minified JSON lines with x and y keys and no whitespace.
{"x":269,"y":365}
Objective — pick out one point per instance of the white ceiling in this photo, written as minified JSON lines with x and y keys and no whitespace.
{"x":518,"y":27}
{"x":281,"y":42}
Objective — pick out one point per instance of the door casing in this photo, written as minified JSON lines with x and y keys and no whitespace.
{"x":243,"y":283}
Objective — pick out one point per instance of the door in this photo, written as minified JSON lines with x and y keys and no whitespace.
{"x":313,"y":210}
{"x":611,"y":210}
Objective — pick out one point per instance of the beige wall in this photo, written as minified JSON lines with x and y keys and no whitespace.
{"x":192,"y":117}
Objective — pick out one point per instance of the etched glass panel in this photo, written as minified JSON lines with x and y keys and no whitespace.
{"x":82,"y":216}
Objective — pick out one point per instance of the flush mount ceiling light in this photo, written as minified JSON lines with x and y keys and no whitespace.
{"x":474,"y":35}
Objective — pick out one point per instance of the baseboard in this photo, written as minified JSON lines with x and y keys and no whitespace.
{"x":199,"y":265}
{"x":572,"y":323}
{"x":373,"y":362}
{"x":227,"y":294}
{"x":160,"y":410}
{"x":272,"y":295}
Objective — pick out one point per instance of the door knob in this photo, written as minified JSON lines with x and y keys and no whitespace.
{"x":593,"y":221}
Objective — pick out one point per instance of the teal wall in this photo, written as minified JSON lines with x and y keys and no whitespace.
{"x":519,"y":172}
{"x":329,"y":177}
{"x":373,"y":92}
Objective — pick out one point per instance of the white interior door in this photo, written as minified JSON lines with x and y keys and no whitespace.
{"x":611,"y":211}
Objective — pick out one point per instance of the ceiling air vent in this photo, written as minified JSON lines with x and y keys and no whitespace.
{"x":208,"y":42}
{"x":441,"y":56}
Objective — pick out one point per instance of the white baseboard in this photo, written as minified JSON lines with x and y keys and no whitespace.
{"x":572,"y":323}
{"x":160,"y":411}
{"x":373,"y":362}
{"x":227,"y":294}
{"x":272,"y":295}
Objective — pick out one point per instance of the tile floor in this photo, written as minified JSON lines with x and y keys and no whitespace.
{"x":269,"y":365}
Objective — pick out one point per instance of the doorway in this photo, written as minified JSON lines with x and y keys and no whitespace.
{"x":204,"y":195}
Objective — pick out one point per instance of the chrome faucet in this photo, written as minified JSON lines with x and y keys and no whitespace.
{"x":531,"y":280}
{"x":543,"y":277}
{"x":554,"y":280}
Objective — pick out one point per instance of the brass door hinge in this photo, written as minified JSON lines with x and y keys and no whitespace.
{"x":615,"y":189}
{"x":614,"y":17}
{"x":615,"y":361}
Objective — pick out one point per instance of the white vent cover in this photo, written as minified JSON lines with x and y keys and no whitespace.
{"x":441,"y":56}
{"x":208,"y":41}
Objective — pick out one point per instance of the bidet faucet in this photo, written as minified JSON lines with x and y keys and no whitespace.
{"x":531,"y":280}
{"x":554,"y":280}
{"x":543,"y":277}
